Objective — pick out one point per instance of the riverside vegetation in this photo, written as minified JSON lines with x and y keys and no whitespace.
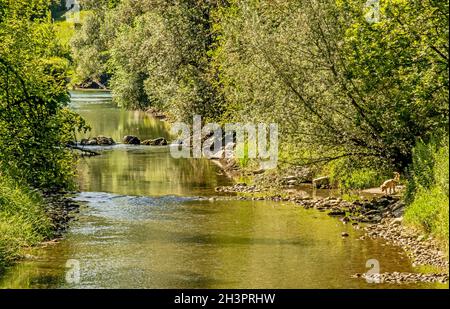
{"x":355,"y":100}
{"x":35,"y":125}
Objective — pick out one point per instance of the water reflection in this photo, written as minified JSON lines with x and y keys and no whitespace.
{"x":137,"y":170}
{"x":143,"y":225}
{"x":151,"y":171}
{"x":172,"y":242}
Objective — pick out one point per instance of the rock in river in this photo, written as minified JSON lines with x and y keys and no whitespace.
{"x":103,"y":140}
{"x":131,"y":140}
{"x":98,"y":141}
{"x":161,"y":141}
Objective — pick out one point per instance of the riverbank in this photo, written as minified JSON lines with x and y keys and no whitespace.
{"x":61,"y":209}
{"x":380,"y":217}
{"x":23,"y":221}
{"x":29,"y":218}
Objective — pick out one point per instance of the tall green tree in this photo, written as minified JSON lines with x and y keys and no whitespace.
{"x":34,"y":123}
{"x":157,"y":53}
{"x":340,"y":85}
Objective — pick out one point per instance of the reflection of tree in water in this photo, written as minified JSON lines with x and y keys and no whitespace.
{"x":148,"y":173}
{"x":109,"y":121}
{"x":140,"y":171}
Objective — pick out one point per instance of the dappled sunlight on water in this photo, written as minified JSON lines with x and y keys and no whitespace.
{"x":144,"y":223}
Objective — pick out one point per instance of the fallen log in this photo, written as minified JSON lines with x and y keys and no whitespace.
{"x":82,"y":149}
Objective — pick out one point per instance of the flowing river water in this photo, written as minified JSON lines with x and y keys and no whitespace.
{"x":146,"y":222}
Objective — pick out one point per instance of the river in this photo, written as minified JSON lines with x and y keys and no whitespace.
{"x":146,"y":222}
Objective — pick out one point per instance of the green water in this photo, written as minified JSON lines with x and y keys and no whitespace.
{"x":146,"y":222}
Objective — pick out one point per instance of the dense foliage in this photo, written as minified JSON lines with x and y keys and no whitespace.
{"x":340,"y":86}
{"x":156,"y":53}
{"x":428,"y":190}
{"x":358,"y":91}
{"x":35,"y":124}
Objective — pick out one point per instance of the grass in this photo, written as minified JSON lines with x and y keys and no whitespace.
{"x":23,"y":221}
{"x":429,"y":206}
{"x":429,"y":211}
{"x":362,"y":179}
{"x":65,"y":26}
{"x":244,"y":162}
{"x":347,"y":177}
{"x":65,"y":30}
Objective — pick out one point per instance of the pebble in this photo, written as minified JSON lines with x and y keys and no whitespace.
{"x":419,"y":250}
{"x":404,"y":278}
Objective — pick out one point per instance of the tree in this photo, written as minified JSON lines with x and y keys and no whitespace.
{"x":34,"y":123}
{"x":335,"y":82}
{"x":156,"y":53}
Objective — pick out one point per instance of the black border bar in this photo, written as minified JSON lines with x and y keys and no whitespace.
{"x":149,"y":298}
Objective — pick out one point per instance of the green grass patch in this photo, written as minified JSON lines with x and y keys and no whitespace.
{"x":429,"y":211}
{"x":247,"y":162}
{"x":361,"y":179}
{"x":65,"y":30}
{"x":346,"y":175}
{"x":65,"y":26}
{"x":428,"y":193}
{"x":23,"y":221}
{"x":244,"y":162}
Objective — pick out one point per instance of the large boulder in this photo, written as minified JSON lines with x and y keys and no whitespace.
{"x":98,"y":141}
{"x":131,"y":140}
{"x":161,"y":141}
{"x":103,"y":140}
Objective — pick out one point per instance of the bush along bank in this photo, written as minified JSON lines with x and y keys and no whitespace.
{"x":428,"y":191}
{"x":35,"y":127}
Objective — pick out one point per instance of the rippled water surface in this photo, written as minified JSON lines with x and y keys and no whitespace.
{"x":146,"y":222}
